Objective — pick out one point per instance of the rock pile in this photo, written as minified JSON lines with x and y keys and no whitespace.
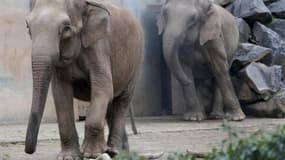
{"x":258,"y":70}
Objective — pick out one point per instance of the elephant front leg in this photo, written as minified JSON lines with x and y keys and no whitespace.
{"x":94,"y":143}
{"x":220,"y":67}
{"x":195,"y":111}
{"x":63,"y":98}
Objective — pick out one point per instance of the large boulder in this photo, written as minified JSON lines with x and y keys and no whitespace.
{"x":279,"y":27}
{"x":223,"y":2}
{"x":262,"y":79}
{"x":278,"y":8}
{"x":251,"y":10}
{"x":245,"y":94}
{"x":268,"y":38}
{"x":260,"y":90}
{"x":275,"y":107}
{"x":244,"y":30}
{"x":267,"y":2}
{"x":247,"y":53}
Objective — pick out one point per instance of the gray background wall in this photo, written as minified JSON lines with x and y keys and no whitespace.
{"x":15,"y":65}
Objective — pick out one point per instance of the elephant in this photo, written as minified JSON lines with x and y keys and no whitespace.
{"x":199,"y":40}
{"x":91,"y":50}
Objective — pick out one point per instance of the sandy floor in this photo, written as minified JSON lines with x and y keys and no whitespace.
{"x":156,"y":135}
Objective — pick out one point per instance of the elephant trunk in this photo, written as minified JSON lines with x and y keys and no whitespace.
{"x":171,"y":46}
{"x":42,"y":73}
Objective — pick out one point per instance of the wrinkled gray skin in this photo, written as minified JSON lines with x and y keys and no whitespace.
{"x":199,"y":40}
{"x":91,"y":51}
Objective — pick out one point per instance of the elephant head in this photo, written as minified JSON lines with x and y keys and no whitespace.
{"x":191,"y":21}
{"x":59,"y":29}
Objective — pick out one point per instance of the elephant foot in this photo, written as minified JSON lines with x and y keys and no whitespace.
{"x":194,"y":116}
{"x":92,"y":148}
{"x":216,"y":115}
{"x":115,"y":148}
{"x":69,"y":155}
{"x":112,"y":151}
{"x":235,"y":115}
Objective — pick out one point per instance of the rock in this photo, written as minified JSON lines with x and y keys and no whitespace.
{"x":262,"y":79}
{"x":244,"y":30}
{"x":278,"y":8}
{"x":223,"y":2}
{"x":279,"y":27}
{"x":267,"y":2}
{"x":104,"y":156}
{"x":251,"y":10}
{"x":244,"y":93}
{"x":247,"y":53}
{"x":274,"y":108}
{"x":268,"y":38}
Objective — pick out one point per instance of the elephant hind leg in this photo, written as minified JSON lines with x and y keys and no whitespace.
{"x":217,"y":104}
{"x":220,"y":67}
{"x":117,"y":139}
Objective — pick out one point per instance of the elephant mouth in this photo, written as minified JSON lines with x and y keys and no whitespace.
{"x":63,"y":61}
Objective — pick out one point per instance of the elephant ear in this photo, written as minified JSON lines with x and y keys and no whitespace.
{"x":161,"y":22}
{"x":96,"y":23}
{"x":212,"y":28}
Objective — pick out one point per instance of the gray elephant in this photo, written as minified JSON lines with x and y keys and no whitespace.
{"x":91,"y":50}
{"x":199,"y":40}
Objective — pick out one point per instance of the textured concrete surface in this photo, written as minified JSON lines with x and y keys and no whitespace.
{"x":156,"y":135}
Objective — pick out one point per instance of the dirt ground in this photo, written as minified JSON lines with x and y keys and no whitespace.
{"x":156,"y":136}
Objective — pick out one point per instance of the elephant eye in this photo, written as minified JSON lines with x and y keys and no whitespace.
{"x":66,"y":32}
{"x":66,"y":29}
{"x":27,"y":24}
{"x":192,"y":21}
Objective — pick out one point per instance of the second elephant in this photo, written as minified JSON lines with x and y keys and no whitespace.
{"x":199,"y":40}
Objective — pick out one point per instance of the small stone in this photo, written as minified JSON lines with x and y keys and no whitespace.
{"x":103,"y":156}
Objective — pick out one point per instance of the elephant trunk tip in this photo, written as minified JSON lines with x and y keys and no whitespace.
{"x":30,"y":145}
{"x":30,"y":150}
{"x":32,"y":135}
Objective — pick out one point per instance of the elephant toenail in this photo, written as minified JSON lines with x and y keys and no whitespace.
{"x":68,"y":158}
{"x":87,"y":155}
{"x":59,"y":158}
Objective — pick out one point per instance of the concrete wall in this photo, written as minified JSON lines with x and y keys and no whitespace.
{"x":153,"y":89}
{"x":15,"y":65}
